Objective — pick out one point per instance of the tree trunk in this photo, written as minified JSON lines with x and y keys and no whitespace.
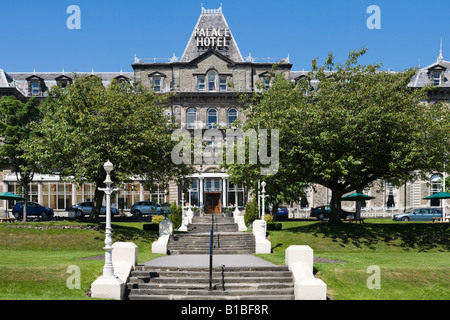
{"x":335,"y":205}
{"x":25,"y":202}
{"x":275,"y":212}
{"x":98,"y":200}
{"x":358,"y":205}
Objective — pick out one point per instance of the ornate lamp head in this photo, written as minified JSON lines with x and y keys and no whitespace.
{"x":108,"y":166}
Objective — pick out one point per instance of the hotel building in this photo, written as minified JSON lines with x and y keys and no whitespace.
{"x":204,"y":100}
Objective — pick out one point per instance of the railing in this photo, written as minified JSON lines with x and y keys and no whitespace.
{"x":211,"y":252}
{"x":211,"y":245}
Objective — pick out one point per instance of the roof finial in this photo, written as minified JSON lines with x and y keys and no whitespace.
{"x":440,"y":58}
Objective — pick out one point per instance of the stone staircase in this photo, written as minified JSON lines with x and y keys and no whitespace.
{"x":238,"y":283}
{"x":226,"y":240}
{"x":228,"y":283}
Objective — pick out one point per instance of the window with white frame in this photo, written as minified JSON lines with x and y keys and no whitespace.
{"x":212,"y":81}
{"x":191,"y":118}
{"x":232,"y":117}
{"x":223,"y":83}
{"x":266,"y":83}
{"x":212,"y":118}
{"x":157,"y":84}
{"x":437,"y":78}
{"x":35,"y":88}
{"x":201,"y":86}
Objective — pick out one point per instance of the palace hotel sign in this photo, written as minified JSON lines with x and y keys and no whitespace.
{"x":212,"y":38}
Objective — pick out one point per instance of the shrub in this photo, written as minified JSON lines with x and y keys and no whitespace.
{"x":150,"y":227}
{"x":251,"y":212}
{"x":175,"y":215}
{"x":274,"y":226}
{"x":268,"y":218}
{"x":157,"y":218}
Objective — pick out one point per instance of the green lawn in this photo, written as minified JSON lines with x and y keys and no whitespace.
{"x":34,"y":262}
{"x":413,"y":258}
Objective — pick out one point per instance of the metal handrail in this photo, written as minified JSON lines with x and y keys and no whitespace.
{"x":211,"y":252}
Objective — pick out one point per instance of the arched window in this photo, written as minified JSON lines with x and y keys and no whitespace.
{"x":212,"y":118}
{"x":212,"y":81}
{"x":232,"y":117}
{"x":191,"y":118}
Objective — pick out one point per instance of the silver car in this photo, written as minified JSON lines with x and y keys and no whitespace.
{"x":422,"y":214}
{"x":141,"y":208}
{"x":84,"y":208}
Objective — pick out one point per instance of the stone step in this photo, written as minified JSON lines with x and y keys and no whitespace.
{"x":211,"y":297}
{"x":218,"y":292}
{"x":205,"y":227}
{"x":240,"y":283}
{"x":216,"y":282}
{"x":196,"y":274}
{"x":217,"y":218}
{"x":204,"y":280}
{"x":223,"y":243}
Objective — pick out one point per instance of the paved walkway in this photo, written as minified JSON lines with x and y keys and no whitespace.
{"x":202,"y":261}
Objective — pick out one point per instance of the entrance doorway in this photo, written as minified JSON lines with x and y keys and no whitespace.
{"x":213,"y":203}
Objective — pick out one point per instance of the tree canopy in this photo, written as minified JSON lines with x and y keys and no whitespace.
{"x":344,"y":126}
{"x":16,"y":119}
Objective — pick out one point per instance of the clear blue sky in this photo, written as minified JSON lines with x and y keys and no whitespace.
{"x":34,"y":32}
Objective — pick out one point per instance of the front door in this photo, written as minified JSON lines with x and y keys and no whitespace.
{"x":213,"y":203}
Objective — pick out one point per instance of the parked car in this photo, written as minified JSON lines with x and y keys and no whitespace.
{"x":141,"y":208}
{"x":33,"y":209}
{"x":282,"y":213}
{"x":422,"y":214}
{"x":324,"y":212}
{"x":81,"y":209}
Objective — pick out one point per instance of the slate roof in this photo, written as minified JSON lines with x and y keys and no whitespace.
{"x":424,"y":77}
{"x":210,"y":19}
{"x":19,"y":80}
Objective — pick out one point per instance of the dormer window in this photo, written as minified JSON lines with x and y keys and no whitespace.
{"x":436,"y":77}
{"x":157,"y":81}
{"x":63,"y":81}
{"x":122,"y":79}
{"x":156,"y":84}
{"x":266,"y":80}
{"x":35,"y":85}
{"x":35,"y":88}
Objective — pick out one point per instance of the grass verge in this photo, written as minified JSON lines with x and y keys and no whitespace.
{"x":413,"y":258}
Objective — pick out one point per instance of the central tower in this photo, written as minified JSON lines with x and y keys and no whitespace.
{"x":212,"y":33}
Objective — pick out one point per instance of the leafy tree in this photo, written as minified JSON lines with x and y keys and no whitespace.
{"x":87,"y":124}
{"x":345,"y":126}
{"x":15,"y":129}
{"x":284,"y":185}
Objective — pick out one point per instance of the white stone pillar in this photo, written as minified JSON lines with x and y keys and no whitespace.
{"x":200,"y":181}
{"x":299,"y":259}
{"x":40,"y":198}
{"x":224,"y":193}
